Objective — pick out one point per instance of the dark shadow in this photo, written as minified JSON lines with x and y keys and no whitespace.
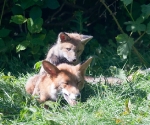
{"x":102,"y":91}
{"x":91,"y":90}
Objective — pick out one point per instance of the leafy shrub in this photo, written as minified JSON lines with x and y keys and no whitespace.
{"x":29,"y":27}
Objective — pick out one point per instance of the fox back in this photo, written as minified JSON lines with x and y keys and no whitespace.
{"x":64,"y":79}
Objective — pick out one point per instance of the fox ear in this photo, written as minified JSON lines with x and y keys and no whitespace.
{"x":63,"y":37}
{"x":85,"y":65}
{"x":85,"y":39}
{"x":50,"y":68}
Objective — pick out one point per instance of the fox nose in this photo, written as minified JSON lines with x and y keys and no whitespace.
{"x":74,"y":60}
{"x":78,"y":96}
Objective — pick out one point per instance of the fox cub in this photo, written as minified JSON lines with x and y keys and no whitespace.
{"x":68,"y":49}
{"x":63,"y":79}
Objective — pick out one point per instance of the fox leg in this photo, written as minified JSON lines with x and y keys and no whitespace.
{"x":30,"y":85}
{"x":43,"y":97}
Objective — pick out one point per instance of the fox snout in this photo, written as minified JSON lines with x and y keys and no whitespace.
{"x":71,"y":98}
{"x":78,"y":96}
{"x":72,"y":58}
{"x":70,"y":55}
{"x":75,"y":96}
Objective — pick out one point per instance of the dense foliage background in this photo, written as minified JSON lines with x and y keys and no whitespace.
{"x":120,"y":47}
{"x":120,"y":29}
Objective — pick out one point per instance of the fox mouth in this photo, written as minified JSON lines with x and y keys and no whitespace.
{"x":70,"y":101}
{"x":64,"y":60}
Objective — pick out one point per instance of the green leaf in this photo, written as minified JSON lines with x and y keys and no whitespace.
{"x":127,"y":2}
{"x":148,"y":28}
{"x":141,"y":18}
{"x":41,"y":36}
{"x":35,"y":26}
{"x":18,"y":19}
{"x":2,"y":44}
{"x":125,"y":45}
{"x":35,"y":13}
{"x":4,"y":32}
{"x":40,"y":3}
{"x":52,"y":4}
{"x":27,"y":3}
{"x":51,"y":36}
{"x":135,"y":26}
{"x":37,"y":41}
{"x":37,"y":65}
{"x":17,"y":10}
{"x":35,"y":49}
{"x":145,"y":9}
{"x":15,"y":1}
{"x":28,"y":36}
{"x":22,"y":46}
{"x":112,"y":43}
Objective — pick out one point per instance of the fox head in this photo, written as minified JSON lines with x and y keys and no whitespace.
{"x":71,"y":45}
{"x":68,"y":79}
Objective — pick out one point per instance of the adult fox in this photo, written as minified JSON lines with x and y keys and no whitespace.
{"x":63,"y":79}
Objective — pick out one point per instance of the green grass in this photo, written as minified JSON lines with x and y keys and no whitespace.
{"x":101,"y":104}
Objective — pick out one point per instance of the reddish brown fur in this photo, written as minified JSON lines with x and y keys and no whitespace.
{"x":64,"y":78}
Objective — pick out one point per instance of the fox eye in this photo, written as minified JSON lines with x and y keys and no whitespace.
{"x":68,"y":49}
{"x":78,"y":51}
{"x":66,"y":83}
{"x":78,"y":82}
